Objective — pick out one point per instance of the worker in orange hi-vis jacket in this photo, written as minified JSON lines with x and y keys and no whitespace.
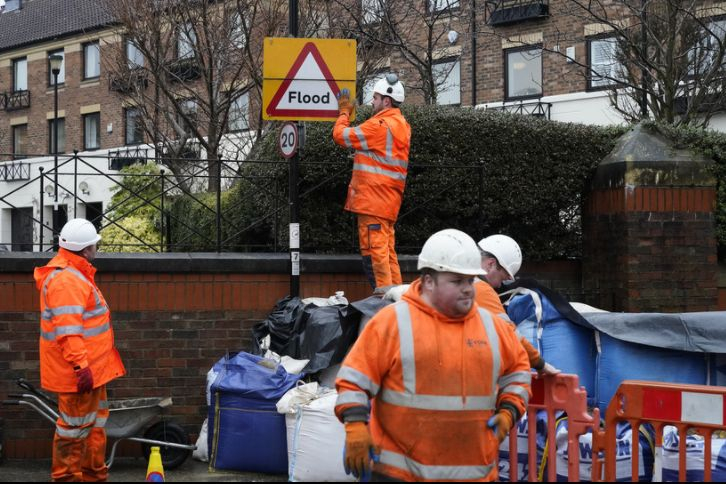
{"x":77,"y":354}
{"x":501,"y":260}
{"x":380,"y":167}
{"x":434,"y":383}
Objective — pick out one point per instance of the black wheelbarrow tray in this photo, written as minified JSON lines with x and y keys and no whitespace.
{"x":138,"y":420}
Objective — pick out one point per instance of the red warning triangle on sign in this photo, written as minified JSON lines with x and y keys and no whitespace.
{"x":308,"y":90}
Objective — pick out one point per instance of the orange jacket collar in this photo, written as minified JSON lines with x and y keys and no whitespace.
{"x":413,"y":296}
{"x":67,"y":258}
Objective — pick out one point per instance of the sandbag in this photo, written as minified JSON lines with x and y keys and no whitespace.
{"x":619,"y":360}
{"x":624,"y":459}
{"x":315,"y":436}
{"x":246,"y":431}
{"x":522,"y":459}
{"x":695,"y":448}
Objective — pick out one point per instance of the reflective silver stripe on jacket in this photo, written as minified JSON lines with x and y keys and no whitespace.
{"x":517,"y":377}
{"x":493,"y":338}
{"x":358,"y":133}
{"x":519,"y":391}
{"x":103,"y":404}
{"x":409,"y":397}
{"x":357,"y":378}
{"x":379,"y":171}
{"x":505,"y":317}
{"x":87,"y":419}
{"x":358,"y":398}
{"x":75,"y":330}
{"x":455,"y":473}
{"x":73,"y":433}
{"x":388,"y":161}
{"x":100,"y":422}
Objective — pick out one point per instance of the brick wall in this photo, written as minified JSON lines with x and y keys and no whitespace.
{"x":174,"y":319}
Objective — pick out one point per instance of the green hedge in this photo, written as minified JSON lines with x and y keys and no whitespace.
{"x":480,"y":171}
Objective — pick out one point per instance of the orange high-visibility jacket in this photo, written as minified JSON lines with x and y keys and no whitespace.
{"x":380,"y":164}
{"x":75,"y":325}
{"x":434,"y":382}
{"x":486,"y":297}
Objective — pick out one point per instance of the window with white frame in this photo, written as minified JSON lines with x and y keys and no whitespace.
{"x":189,"y":117}
{"x":91,"y":60}
{"x":239,"y":113}
{"x":61,"y":135}
{"x":20,"y":141}
{"x":239,"y":31}
{"x":92,"y":131}
{"x":707,"y":50}
{"x":447,"y":76}
{"x":373,"y":10}
{"x":439,"y":5}
{"x":134,"y":126}
{"x":367,"y":94}
{"x":523,"y":72}
{"x":133,"y":55}
{"x":20,"y":74}
{"x":62,"y":72}
{"x":604,"y":66}
{"x":186,"y":40}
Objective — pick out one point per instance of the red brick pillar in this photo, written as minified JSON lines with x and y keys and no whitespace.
{"x":649,"y":229}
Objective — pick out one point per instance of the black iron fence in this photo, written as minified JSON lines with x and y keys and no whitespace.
{"x":148,"y":209}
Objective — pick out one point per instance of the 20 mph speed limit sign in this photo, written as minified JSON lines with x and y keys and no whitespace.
{"x":288,"y":142}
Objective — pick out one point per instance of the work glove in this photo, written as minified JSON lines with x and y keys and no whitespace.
{"x":548,"y":369}
{"x":501,"y":423}
{"x":85,"y":380}
{"x":345,"y":105}
{"x":359,"y":449}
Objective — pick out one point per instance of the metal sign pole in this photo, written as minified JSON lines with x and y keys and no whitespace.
{"x":294,"y":193}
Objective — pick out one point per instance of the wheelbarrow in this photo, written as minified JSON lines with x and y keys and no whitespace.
{"x":126,"y":421}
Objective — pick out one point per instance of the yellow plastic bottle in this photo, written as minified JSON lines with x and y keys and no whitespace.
{"x":155,"y":471}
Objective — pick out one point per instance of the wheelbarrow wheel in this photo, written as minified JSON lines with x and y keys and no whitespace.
{"x":171,"y":457}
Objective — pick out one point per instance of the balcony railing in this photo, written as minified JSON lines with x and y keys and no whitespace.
{"x":128,"y":81}
{"x":14,"y":171}
{"x":121,"y":158}
{"x":185,"y":69}
{"x":12,"y":101}
{"x":537,"y":109}
{"x":504,"y":12}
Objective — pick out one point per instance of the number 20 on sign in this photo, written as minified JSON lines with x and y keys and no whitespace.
{"x":288,"y":142}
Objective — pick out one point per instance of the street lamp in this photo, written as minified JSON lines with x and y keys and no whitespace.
{"x":56,"y":61}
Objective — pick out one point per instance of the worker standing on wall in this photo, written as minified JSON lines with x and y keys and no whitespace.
{"x":447,"y":379}
{"x":380,"y":167}
{"x":77,"y":354}
{"x":501,"y":259}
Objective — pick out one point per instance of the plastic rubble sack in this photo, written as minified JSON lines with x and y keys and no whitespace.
{"x":246,"y":431}
{"x":667,"y":464}
{"x":522,"y":460}
{"x":201,"y":453}
{"x":315,"y":436}
{"x":321,"y":334}
{"x":620,"y":360}
{"x":624,"y":459}
{"x":562,"y":343}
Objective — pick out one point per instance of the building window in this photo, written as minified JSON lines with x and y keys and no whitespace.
{"x":703,"y":56}
{"x":447,"y":76}
{"x":440,"y":5}
{"x":189,"y":109}
{"x":62,"y":73}
{"x":61,"y":135}
{"x":134,"y":127}
{"x":367,"y":89}
{"x":602,"y":62}
{"x":134,"y":55}
{"x":20,"y":74}
{"x":239,"y":113}
{"x":92,"y":131}
{"x":238,"y":31}
{"x":20,"y":141}
{"x":11,"y":5}
{"x":186,"y":41}
{"x":373,"y":10}
{"x":523,"y":72}
{"x":91,"y":60}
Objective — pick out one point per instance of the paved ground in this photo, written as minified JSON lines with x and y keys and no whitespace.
{"x":133,"y":470}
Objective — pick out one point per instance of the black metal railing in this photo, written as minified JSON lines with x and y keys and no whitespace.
{"x":186,"y":69}
{"x":12,"y":101}
{"x":12,"y":171}
{"x":128,"y":81}
{"x":537,"y":108}
{"x":504,"y":12}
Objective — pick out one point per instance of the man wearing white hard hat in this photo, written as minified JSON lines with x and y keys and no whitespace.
{"x":434,"y":383}
{"x":77,"y":353}
{"x":501,"y":259}
{"x":380,"y":167}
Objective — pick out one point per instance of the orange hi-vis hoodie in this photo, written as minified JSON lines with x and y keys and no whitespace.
{"x":380,"y":165}
{"x":75,"y":325}
{"x":434,"y":382}
{"x":486,"y":297}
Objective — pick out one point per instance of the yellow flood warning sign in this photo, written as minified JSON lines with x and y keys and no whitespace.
{"x":302,"y":77}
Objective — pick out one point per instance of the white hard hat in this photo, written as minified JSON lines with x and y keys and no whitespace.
{"x":389,"y":85}
{"x":506,"y":250}
{"x":451,"y":250}
{"x":78,"y":234}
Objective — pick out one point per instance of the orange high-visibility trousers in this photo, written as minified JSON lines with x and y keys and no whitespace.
{"x":79,"y":445}
{"x":380,"y":262}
